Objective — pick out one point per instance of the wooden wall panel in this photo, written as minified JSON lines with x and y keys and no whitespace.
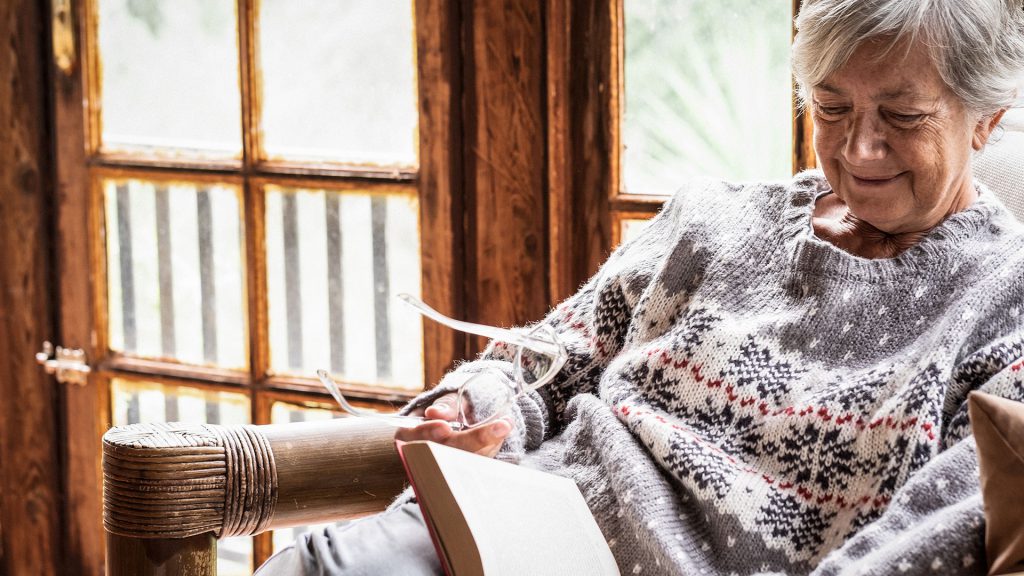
{"x":505,"y":160}
{"x":86,"y":408}
{"x":803,"y":125}
{"x":582,"y":81}
{"x":440,"y":178}
{"x":30,"y":471}
{"x":559,"y":174}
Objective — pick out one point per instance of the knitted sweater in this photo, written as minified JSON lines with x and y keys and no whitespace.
{"x":742,"y":397}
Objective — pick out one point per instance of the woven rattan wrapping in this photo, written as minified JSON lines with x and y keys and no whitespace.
{"x":171,"y":480}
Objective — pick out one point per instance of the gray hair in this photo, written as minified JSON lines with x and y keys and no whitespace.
{"x":977,"y":45}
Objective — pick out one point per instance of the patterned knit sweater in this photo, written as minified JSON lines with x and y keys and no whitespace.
{"x":742,"y":397}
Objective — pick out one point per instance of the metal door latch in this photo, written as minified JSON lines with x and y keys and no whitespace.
{"x":68,"y":364}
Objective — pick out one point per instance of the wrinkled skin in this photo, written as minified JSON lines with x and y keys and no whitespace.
{"x":895,"y":143}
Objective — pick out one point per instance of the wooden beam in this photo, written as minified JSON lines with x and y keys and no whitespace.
{"x":442,"y":229}
{"x":29,"y":442}
{"x":505,"y":156}
{"x":77,"y":258}
{"x":803,"y":125}
{"x":584,"y":90}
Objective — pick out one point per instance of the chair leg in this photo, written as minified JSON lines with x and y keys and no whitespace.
{"x":195,"y":556}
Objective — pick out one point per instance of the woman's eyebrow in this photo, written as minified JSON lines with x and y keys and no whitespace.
{"x":904,"y":93}
{"x":830,"y":88}
{"x":901,"y":93}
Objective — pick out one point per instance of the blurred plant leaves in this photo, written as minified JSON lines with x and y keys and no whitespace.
{"x":708,"y":92}
{"x":147,"y":12}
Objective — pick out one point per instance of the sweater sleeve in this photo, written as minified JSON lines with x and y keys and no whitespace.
{"x":592,"y":325}
{"x":935,"y":524}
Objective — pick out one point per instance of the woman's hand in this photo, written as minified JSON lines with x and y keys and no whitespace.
{"x":485,"y":440}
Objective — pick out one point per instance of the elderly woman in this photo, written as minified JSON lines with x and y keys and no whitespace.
{"x":773,"y":377}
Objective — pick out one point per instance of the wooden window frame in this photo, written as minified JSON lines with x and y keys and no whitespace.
{"x":81,"y":165}
{"x":585,"y":61}
{"x":251,"y":173}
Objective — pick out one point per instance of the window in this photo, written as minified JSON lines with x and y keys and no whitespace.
{"x":255,"y":195}
{"x":706,"y":91}
{"x":644,"y":95}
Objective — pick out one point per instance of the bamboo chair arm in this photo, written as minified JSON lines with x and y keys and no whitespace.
{"x":171,"y":485}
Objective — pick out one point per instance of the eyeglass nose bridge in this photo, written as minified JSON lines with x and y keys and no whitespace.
{"x":494,"y":402}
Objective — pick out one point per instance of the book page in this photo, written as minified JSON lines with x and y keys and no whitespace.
{"x":525,"y":521}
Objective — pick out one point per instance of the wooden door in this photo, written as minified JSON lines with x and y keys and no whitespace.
{"x":30,"y":483}
{"x":241,"y":195}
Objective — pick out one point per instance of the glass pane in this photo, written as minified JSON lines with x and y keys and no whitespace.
{"x":234,"y":556}
{"x":134,"y":401}
{"x":335,"y":263}
{"x":630,"y":228}
{"x":708,"y":92}
{"x":339,"y":81}
{"x":156,"y":92}
{"x":175,"y":275}
{"x":286,"y":412}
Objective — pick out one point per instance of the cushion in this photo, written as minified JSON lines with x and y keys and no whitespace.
{"x":998,"y":426}
{"x":1000,"y":165}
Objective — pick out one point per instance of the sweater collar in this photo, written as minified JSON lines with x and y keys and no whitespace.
{"x":942,"y":247}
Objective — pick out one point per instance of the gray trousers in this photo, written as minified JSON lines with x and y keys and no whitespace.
{"x":393,"y":542}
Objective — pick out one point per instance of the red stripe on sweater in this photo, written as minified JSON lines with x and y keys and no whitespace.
{"x":819,"y":412}
{"x":806,"y":493}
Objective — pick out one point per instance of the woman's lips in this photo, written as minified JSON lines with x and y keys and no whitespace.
{"x":875,"y":181}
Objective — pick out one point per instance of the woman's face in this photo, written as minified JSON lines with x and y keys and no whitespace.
{"x":894,"y":141}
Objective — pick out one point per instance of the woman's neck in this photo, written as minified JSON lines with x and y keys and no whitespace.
{"x":834,"y":223}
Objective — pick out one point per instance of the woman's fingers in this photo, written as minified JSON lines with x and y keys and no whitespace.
{"x":485,"y":440}
{"x":434,"y":430}
{"x":443,"y":408}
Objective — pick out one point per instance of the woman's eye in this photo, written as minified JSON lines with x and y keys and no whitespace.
{"x":905,"y":118}
{"x":830,"y":110}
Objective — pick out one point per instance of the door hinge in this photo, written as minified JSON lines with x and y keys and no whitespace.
{"x":68,"y":364}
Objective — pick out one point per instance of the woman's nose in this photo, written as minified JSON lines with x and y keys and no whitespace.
{"x":865,"y":141}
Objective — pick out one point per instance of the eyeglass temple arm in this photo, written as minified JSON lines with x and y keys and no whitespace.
{"x":502,"y":334}
{"x":328,"y":382}
{"x":398,"y":419}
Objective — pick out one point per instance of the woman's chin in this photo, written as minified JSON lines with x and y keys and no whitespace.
{"x":882,"y":215}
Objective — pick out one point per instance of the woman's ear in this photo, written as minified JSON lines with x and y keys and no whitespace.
{"x":983,"y":129}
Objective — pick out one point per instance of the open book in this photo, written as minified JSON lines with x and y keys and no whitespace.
{"x":491,"y":517}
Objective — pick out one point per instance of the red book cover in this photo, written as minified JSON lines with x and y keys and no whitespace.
{"x":430,"y":525}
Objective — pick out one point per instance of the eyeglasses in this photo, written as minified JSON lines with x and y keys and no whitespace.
{"x":487,"y":395}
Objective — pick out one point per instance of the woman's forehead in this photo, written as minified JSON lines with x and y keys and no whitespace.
{"x":900,"y":73}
